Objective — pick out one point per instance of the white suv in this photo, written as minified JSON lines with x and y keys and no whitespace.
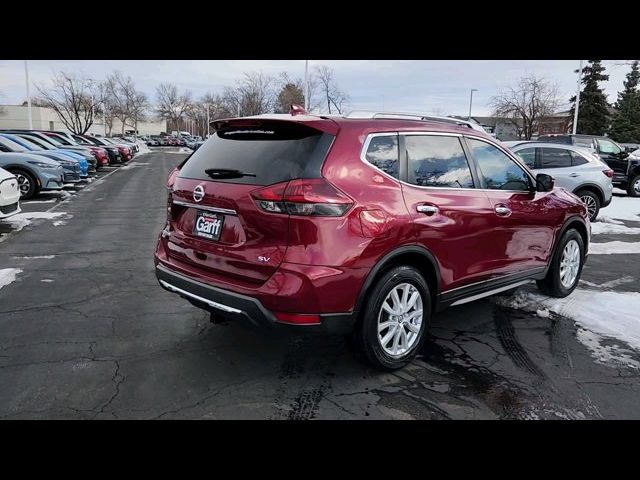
{"x":576,"y":169}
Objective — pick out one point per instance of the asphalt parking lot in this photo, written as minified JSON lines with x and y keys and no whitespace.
{"x":86,"y":332}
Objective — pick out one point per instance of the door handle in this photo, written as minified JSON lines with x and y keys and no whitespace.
{"x":574,"y":175}
{"x":503,"y":211}
{"x":427,"y":209}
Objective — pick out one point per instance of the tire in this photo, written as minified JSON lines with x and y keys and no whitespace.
{"x":555,"y":284}
{"x":27,"y":183}
{"x":633,"y":188}
{"x":592,"y":202}
{"x":411,"y":328}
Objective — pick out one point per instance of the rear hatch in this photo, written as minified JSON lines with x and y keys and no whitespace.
{"x":215,"y":221}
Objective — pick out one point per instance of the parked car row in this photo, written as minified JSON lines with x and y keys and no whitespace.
{"x":47,"y":160}
{"x":190,"y":141}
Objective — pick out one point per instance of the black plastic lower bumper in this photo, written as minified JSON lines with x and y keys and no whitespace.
{"x":234,"y":306}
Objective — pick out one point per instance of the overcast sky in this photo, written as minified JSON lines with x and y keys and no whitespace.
{"x":408,"y":85}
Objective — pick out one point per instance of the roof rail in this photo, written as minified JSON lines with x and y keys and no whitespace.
{"x":415,"y":116}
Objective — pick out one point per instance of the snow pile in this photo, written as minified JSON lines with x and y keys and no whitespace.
{"x":603,"y":314}
{"x":612,"y":226}
{"x":609,"y":248}
{"x":623,"y":208}
{"x":8,"y":275}
{"x":143,"y":147}
{"x":21,"y":220}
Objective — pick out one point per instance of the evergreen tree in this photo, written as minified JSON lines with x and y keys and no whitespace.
{"x":625,"y":127}
{"x":593,"y":116}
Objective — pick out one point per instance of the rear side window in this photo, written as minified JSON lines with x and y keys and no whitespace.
{"x":554,"y":158}
{"x":577,"y":159}
{"x":382,"y":153}
{"x":498,"y":171}
{"x":259,"y":155}
{"x":528,"y":156}
{"x":437,"y":161}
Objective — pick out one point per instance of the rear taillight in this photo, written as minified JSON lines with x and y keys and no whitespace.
{"x":309,"y":197}
{"x":608,"y":173}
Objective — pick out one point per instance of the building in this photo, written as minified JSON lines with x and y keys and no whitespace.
{"x":507,"y":129}
{"x":17,"y":116}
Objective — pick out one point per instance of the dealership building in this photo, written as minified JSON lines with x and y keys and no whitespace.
{"x":17,"y":116}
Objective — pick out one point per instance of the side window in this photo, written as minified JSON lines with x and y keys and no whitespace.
{"x":554,"y":158}
{"x":528,"y":156}
{"x":437,"y":161}
{"x":382,"y":152}
{"x":605,"y":146}
{"x":498,"y":171}
{"x":577,"y":159}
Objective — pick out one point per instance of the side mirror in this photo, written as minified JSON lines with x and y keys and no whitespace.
{"x":544,"y":182}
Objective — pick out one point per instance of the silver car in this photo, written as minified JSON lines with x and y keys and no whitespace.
{"x":576,"y":169}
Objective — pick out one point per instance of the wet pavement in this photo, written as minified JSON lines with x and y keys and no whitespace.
{"x":86,"y":332}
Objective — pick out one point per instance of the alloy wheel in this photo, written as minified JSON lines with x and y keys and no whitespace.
{"x":400,"y":320}
{"x":570,"y":264}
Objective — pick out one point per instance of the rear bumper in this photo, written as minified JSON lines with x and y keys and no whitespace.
{"x":240,"y":307}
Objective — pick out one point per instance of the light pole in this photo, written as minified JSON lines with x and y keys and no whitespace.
{"x":306,"y":85}
{"x":471,"y":102}
{"x":575,"y":110}
{"x":26,"y":75}
{"x":208,"y":120}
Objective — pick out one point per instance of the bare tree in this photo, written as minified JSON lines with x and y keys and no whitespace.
{"x":253,"y":95}
{"x":171,"y":104}
{"x":73,"y":98}
{"x":532,"y":99}
{"x":331,"y":93}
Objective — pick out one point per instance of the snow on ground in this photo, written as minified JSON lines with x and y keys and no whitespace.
{"x":21,"y":220}
{"x":38,"y":201}
{"x":134,"y":164}
{"x":8,"y":275}
{"x":623,"y":208}
{"x":609,"y":248}
{"x":37,"y":257}
{"x":587,"y":308}
{"x":612,"y":226}
{"x":143,"y":147}
{"x":46,"y":280}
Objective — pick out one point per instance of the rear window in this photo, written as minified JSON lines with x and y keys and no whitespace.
{"x":261,"y":155}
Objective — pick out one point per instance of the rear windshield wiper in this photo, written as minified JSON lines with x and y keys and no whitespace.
{"x":216,"y":173}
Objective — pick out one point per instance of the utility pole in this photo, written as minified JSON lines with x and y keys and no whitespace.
{"x":208,"y":120}
{"x":471,"y":102}
{"x":306,"y":85}
{"x":26,"y":74}
{"x":575,"y":110}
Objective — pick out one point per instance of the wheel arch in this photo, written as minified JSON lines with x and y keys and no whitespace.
{"x":593,"y":188}
{"x":578,"y":224}
{"x":412,"y":255}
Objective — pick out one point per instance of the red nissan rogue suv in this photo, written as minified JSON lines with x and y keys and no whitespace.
{"x":365,"y":226}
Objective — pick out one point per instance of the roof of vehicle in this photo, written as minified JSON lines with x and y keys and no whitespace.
{"x":331,"y":124}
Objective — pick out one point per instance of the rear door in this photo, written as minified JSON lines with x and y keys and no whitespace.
{"x":524,"y":220}
{"x":216,"y":225}
{"x":452,"y":219}
{"x":558,"y":162}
